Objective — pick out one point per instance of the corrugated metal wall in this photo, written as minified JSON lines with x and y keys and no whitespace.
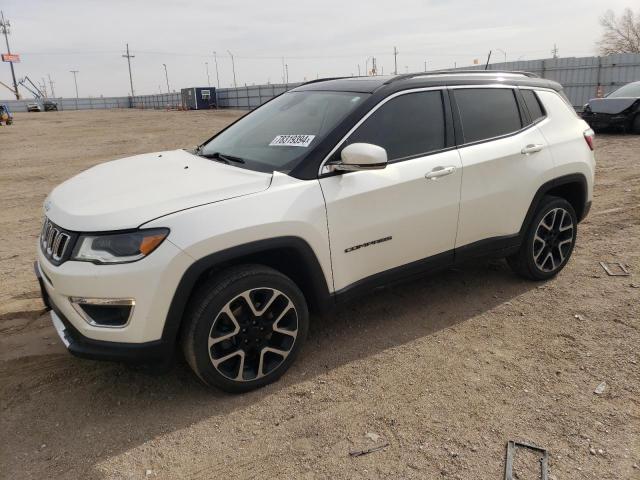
{"x":251,"y":97}
{"x":165,"y":100}
{"x":580,"y":77}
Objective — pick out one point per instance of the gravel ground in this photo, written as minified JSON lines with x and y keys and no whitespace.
{"x":444,"y":370}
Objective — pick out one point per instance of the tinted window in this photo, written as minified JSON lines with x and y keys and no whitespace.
{"x":407,"y":125}
{"x":487,"y":112}
{"x":278,"y":135}
{"x":533,"y":104}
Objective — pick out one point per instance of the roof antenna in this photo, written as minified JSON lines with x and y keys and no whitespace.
{"x":488,"y":58}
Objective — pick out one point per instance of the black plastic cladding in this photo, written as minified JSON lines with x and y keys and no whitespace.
{"x":381,"y":87}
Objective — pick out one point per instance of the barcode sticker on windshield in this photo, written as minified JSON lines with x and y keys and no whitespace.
{"x":292,"y":141}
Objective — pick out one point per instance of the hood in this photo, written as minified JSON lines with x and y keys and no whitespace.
{"x":131,"y":191}
{"x":610,"y":105}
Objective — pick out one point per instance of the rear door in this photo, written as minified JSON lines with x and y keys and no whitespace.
{"x":505,"y":159}
{"x":382,"y":219}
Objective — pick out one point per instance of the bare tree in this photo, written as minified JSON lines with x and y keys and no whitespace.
{"x":621,"y":34}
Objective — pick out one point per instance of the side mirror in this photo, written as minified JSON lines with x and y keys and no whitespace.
{"x":362,"y":156}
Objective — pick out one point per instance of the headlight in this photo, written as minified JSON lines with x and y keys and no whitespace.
{"x":119,"y":247}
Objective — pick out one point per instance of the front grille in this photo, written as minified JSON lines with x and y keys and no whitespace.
{"x":55,"y":242}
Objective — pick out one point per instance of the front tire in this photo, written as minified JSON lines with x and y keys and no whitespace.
{"x":549,"y":241}
{"x":244,"y":328}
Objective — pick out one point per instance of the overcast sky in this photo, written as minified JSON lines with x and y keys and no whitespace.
{"x":320,"y":38}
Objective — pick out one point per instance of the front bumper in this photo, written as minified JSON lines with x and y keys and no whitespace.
{"x":151,"y":282}
{"x":84,"y":347}
{"x":605,"y":120}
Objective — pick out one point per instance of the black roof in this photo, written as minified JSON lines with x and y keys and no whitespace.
{"x":428,"y":79}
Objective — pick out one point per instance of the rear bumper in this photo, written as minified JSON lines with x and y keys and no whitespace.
{"x":81,"y":346}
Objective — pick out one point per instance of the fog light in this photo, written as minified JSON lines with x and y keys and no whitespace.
{"x":104,"y":312}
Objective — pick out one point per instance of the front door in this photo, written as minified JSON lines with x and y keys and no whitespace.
{"x":383,"y":219}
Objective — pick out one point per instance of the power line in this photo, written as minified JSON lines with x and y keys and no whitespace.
{"x":128,"y":56}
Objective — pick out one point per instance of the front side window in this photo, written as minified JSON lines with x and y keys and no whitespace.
{"x":278,"y":135}
{"x":487,"y":112}
{"x":405,"y":126}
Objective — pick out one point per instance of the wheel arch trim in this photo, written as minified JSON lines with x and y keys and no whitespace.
{"x":573,"y":178}
{"x":319,"y":290}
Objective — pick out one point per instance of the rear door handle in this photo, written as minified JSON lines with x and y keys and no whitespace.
{"x":531,"y":148}
{"x":440,"y":172}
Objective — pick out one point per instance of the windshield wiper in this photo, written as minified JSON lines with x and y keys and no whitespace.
{"x":222,"y":157}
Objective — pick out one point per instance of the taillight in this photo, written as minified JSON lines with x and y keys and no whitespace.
{"x":589,"y":137}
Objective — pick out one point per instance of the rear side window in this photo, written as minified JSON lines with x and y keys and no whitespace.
{"x":533,"y":105}
{"x":487,"y":112}
{"x":407,"y":125}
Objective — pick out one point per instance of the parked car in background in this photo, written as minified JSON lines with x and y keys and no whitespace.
{"x":34,"y":107}
{"x":50,"y":106}
{"x":328,"y":191}
{"x":620,"y":110}
{"x":6,"y":116}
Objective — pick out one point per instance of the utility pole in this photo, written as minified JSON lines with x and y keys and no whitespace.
{"x":208,"y":79}
{"x":129,"y":57}
{"x":505,"y":54}
{"x":358,"y":69}
{"x":75,"y":80}
{"x":395,"y":61}
{"x":215,"y":59}
{"x":554,"y":52}
{"x":53,"y":92}
{"x":166,"y":76}
{"x":4,"y":27}
{"x":425,"y":65}
{"x":286,"y":72}
{"x":233,"y":67}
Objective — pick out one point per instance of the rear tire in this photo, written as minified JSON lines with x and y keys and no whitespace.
{"x":244,"y":328}
{"x":548,"y":242}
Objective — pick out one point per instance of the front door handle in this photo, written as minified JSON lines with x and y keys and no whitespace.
{"x":531,"y":148}
{"x":440,"y":172}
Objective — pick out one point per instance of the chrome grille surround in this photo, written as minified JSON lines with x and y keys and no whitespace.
{"x":55,"y":242}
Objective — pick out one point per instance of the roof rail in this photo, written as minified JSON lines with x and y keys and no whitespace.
{"x":459,"y":72}
{"x":317,"y":80}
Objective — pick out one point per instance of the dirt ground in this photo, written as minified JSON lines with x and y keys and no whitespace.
{"x":445,"y":370}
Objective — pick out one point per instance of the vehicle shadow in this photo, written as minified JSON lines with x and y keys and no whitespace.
{"x":87,"y":412}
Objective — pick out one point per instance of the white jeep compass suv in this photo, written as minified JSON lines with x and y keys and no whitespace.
{"x":332,"y":189}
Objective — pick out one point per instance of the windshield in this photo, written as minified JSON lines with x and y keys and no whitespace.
{"x":629,"y":90}
{"x":281,"y":133}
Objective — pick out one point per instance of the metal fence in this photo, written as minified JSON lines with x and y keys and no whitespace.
{"x":251,"y":96}
{"x":159,"y":101}
{"x":581,"y":77}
